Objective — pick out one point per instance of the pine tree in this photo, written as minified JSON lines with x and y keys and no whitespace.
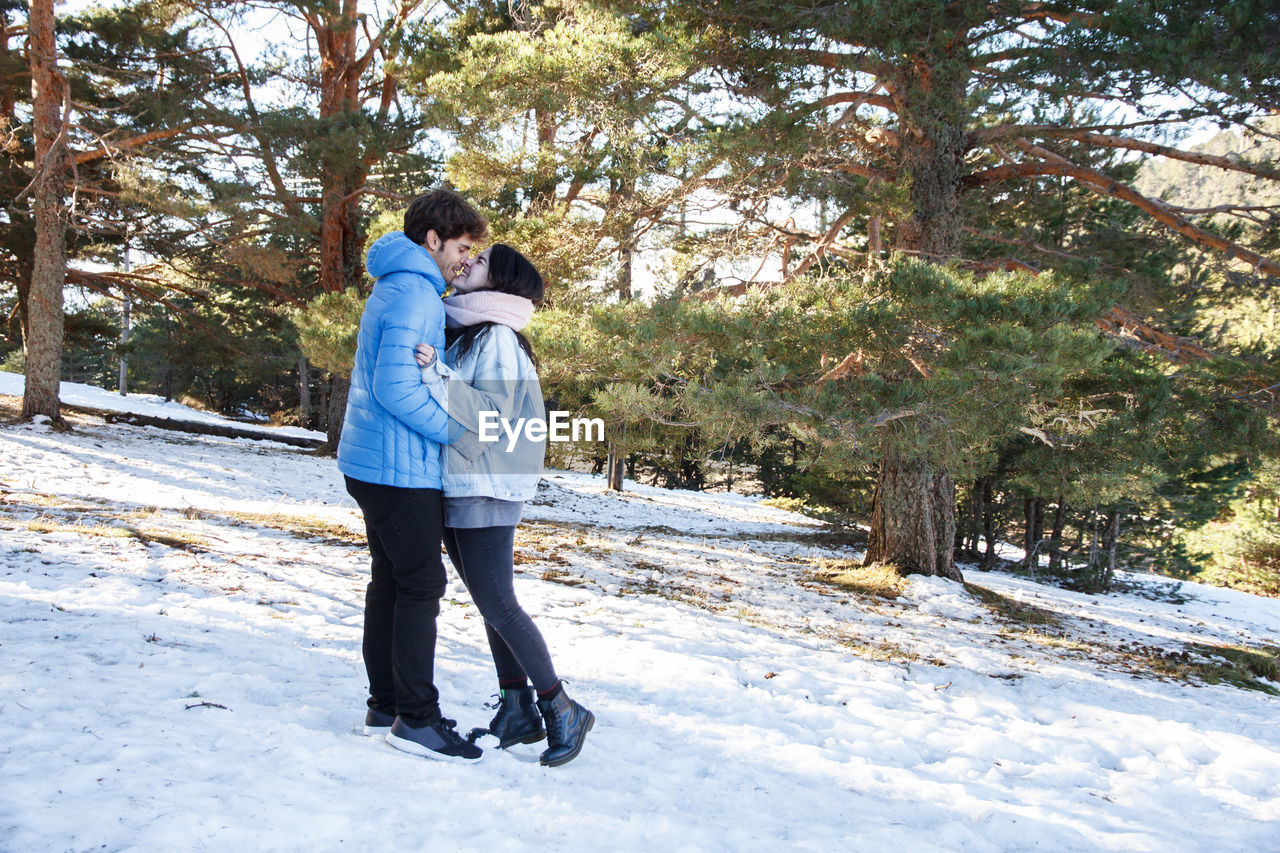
{"x":894,"y":113}
{"x":571,"y":124}
{"x":345,"y":138}
{"x":43,"y":340}
{"x":133,"y":87}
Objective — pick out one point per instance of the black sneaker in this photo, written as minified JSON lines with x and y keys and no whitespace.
{"x":439,"y":740}
{"x":377,"y":722}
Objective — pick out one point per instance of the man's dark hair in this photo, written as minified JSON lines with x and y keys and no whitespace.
{"x":446,"y":213}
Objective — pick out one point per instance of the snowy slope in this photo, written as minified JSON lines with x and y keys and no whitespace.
{"x":178,"y":672}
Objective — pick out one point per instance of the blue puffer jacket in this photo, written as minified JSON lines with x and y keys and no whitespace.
{"x":393,"y":428}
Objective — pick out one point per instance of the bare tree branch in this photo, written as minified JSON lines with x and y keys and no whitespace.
{"x":1235,"y":164}
{"x":1052,"y":164}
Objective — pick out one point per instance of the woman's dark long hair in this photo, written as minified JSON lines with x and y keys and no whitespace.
{"x":509,"y":272}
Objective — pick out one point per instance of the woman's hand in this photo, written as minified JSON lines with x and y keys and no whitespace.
{"x":425,"y":355}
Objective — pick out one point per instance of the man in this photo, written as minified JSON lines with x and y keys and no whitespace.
{"x":390,"y":456}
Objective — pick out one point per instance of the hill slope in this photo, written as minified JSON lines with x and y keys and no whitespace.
{"x":180,"y":669}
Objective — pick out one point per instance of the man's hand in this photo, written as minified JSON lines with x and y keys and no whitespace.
{"x":425,"y":355}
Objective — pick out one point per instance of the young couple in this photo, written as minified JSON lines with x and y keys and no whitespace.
{"x":414,"y":462}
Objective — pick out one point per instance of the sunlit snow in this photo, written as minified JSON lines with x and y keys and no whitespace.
{"x":180,"y":670}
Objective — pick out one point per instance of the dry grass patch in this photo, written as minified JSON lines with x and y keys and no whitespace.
{"x":522,"y":558}
{"x":557,"y":576}
{"x":1256,"y":668}
{"x":301,"y":526}
{"x":1244,"y":667}
{"x":1059,"y":642}
{"x":675,"y":591}
{"x":879,"y":580}
{"x":881,"y":650}
{"x":50,"y":525}
{"x":147,"y":536}
{"x":180,"y":539}
{"x":11,"y":498}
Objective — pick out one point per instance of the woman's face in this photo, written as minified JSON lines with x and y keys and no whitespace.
{"x":474,"y":275}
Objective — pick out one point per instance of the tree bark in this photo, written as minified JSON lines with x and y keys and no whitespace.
{"x":22,"y":278}
{"x":988,"y":524}
{"x":43,"y":341}
{"x":970,"y":532}
{"x":1055,"y":539}
{"x":343,"y":173}
{"x":1034,"y":515}
{"x":1112,"y":541}
{"x":875,"y":244}
{"x":613,"y":471}
{"x":304,"y":392}
{"x":913,"y":519}
{"x":338,"y":388}
{"x":932,"y":144}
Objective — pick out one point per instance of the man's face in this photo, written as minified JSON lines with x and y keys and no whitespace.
{"x":449,"y":255}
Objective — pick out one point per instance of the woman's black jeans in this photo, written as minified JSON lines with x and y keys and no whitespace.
{"x":484,"y":558}
{"x":402,"y":600}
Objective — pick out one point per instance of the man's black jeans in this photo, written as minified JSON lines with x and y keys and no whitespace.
{"x":402,"y":600}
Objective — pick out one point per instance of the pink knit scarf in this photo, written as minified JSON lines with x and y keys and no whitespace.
{"x":484,"y":306}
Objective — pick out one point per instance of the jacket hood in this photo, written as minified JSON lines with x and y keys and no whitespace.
{"x":395,"y":252}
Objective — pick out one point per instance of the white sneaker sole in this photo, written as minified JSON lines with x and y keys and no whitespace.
{"x":418,"y":749}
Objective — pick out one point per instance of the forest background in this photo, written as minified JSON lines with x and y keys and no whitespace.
{"x":949,"y":271}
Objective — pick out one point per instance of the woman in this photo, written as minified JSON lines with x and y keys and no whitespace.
{"x":487,"y":378}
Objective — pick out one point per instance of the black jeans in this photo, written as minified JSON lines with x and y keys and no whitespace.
{"x":402,"y":600}
{"x":484,"y":558}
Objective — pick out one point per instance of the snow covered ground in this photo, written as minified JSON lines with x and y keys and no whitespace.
{"x":180,"y":670}
{"x":77,"y":394}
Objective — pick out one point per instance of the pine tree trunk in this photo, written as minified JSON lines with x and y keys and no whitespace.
{"x":977,"y":512}
{"x":338,"y":388}
{"x":43,"y":341}
{"x":126,"y":307}
{"x":988,"y":524}
{"x":613,"y":471}
{"x":304,"y":392}
{"x":1112,"y":540}
{"x":22,"y":279}
{"x":1055,"y":538}
{"x":343,"y":174}
{"x":875,"y":224}
{"x":913,"y":512}
{"x":913,"y":519}
{"x":1033,"y":511}
{"x":932,"y":148}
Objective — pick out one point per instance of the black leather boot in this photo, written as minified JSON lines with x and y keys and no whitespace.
{"x":567,"y":727}
{"x":517,"y":720}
